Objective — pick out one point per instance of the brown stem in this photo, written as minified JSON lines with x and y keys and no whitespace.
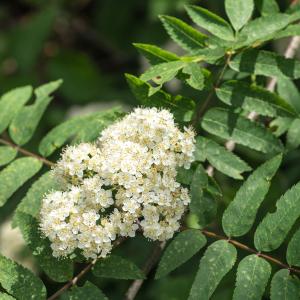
{"x":26,"y":152}
{"x":202,"y":108}
{"x":246,"y":248}
{"x":84,"y":271}
{"x":150,"y":263}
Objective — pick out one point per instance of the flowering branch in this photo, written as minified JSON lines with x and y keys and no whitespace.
{"x":248,"y":249}
{"x":27,"y":153}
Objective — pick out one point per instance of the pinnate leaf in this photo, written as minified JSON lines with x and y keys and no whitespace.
{"x":287,"y":89}
{"x":203,"y":203}
{"x":196,"y":79}
{"x":161,"y":73}
{"x":260,"y":62}
{"x":78,"y":128}
{"x":252,"y":278}
{"x":267,"y":7}
{"x":6,"y":297}
{"x":220,"y":158}
{"x":211,"y":22}
{"x":26,"y":121}
{"x":239,"y":12}
{"x":59,"y":270}
{"x":180,"y":250}
{"x":217,"y":261}
{"x":263,"y":28}
{"x":181,"y":107}
{"x":19,"y":281}
{"x":7,"y":154}
{"x":293,"y":134}
{"x":284,"y":286}
{"x":16,"y":174}
{"x":253,"y":98}
{"x":240,"y":214}
{"x":273,"y":229}
{"x":183,"y":34}
{"x":31,"y":203}
{"x":230,"y":126}
{"x":10,"y":104}
{"x":154,"y":54}
{"x":293,"y":250}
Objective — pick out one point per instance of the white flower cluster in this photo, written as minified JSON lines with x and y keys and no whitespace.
{"x":125,"y":182}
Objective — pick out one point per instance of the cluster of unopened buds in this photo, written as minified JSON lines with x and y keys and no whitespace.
{"x":124,"y":182}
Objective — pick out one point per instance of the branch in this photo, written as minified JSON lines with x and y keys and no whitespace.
{"x":202,"y":108}
{"x":290,"y":52}
{"x":27,"y":153}
{"x":84,"y":271}
{"x":150,"y":263}
{"x":248,"y":249}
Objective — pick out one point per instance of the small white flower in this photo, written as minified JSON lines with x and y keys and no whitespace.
{"x":124,"y":182}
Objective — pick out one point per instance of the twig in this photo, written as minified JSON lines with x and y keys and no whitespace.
{"x":202,"y":108}
{"x":246,"y":248}
{"x":27,"y":153}
{"x":84,"y":271}
{"x":150,"y":263}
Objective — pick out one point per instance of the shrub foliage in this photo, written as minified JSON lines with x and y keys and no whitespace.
{"x":246,"y":101}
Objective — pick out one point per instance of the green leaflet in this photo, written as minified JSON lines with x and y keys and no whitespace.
{"x":220,"y":158}
{"x":216,"y":262}
{"x":211,"y":22}
{"x":11,"y":103}
{"x":31,"y":203}
{"x":287,"y":89}
{"x":274,"y":228}
{"x":181,"y":249}
{"x":29,"y":226}
{"x":26,"y":121}
{"x":154,"y":54}
{"x":183,"y":34}
{"x":263,"y":29}
{"x":19,"y":281}
{"x":196,"y":79}
{"x":203,"y":203}
{"x":253,"y":98}
{"x":16,"y":174}
{"x":284,"y":286}
{"x":185,"y":176}
{"x":293,"y":134}
{"x":117,"y":267}
{"x":239,"y":12}
{"x":267,"y":7}
{"x":7,"y":154}
{"x":252,"y":278}
{"x":293,"y":250}
{"x":88,"y":291}
{"x":6,"y":297}
{"x":78,"y":128}
{"x":181,"y":107}
{"x":280,"y":125}
{"x":291,"y":30}
{"x":230,"y":126}
{"x":266,"y":63}
{"x":161,"y":73}
{"x":240,"y":214}
{"x":92,"y":128}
